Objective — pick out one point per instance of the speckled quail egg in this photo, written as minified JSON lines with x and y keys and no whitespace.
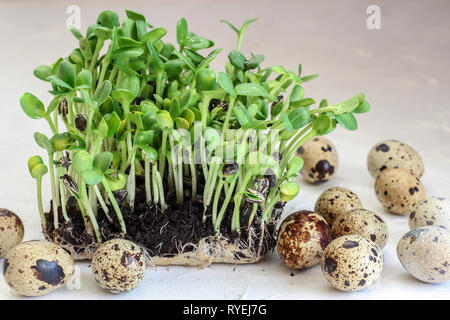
{"x":334,"y":201}
{"x":302,"y":238}
{"x":394,"y":154}
{"x":432,"y":211}
{"x":11,"y":231}
{"x":399,"y":190}
{"x":119,"y":265}
{"x":425,"y":253}
{"x":352,"y":263}
{"x":320,"y":159}
{"x":361,"y":222}
{"x":35,"y":268}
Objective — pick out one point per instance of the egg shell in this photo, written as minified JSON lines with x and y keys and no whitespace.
{"x":399,"y":190}
{"x":425,"y":253}
{"x":302,"y":238}
{"x":35,"y":268}
{"x":352,"y":263}
{"x":118,"y":265}
{"x":320,"y":160}
{"x":433,"y":211}
{"x":334,"y":201}
{"x":11,"y":231}
{"x":394,"y":154}
{"x":362,"y":222}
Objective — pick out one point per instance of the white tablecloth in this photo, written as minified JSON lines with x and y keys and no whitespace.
{"x":403,"y":68}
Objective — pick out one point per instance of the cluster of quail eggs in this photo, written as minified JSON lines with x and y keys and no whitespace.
{"x":344,"y":238}
{"x":347,"y":240}
{"x":35,"y":268}
{"x":424,"y":251}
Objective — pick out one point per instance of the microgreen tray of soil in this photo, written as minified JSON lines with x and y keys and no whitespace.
{"x":148,"y":143}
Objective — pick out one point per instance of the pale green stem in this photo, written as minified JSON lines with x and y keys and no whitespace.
{"x":90,"y":212}
{"x":113,"y":201}
{"x":102,"y":203}
{"x":40,"y":206}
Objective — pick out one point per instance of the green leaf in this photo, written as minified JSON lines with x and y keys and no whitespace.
{"x":154,"y":35}
{"x":130,"y":83}
{"x":289,"y":191}
{"x":306,"y":102}
{"x":39,"y":171}
{"x":323,"y":124}
{"x":66,"y":73}
{"x":208,"y":59}
{"x":309,"y":78}
{"x":126,"y":53}
{"x":182,"y":31}
{"x":134,"y":15}
{"x":102,"y":161}
{"x":76,"y":33}
{"x":125,"y":42}
{"x":226,"y":84}
{"x":255,"y":61}
{"x":32,"y":106}
{"x":279,"y":70}
{"x":164,"y":120}
{"x":241,"y":115}
{"x":84,"y":79}
{"x":43,"y":142}
{"x":102,"y":129}
{"x":103,"y":33}
{"x":43,"y":72}
{"x":143,"y":139}
{"x":61,"y":141}
{"x":251,"y":90}
{"x":82,"y":161}
{"x":347,"y":121}
{"x":57,"y":81}
{"x":155,"y":55}
{"x":294,"y":166}
{"x":246,"y":25}
{"x":113,"y":122}
{"x":197,"y":43}
{"x":362,"y":107}
{"x":299,"y":117}
{"x":102,"y":92}
{"x":91,"y":177}
{"x":237,"y":59}
{"x":297,"y":94}
{"x":185,"y":59}
{"x":231,"y":25}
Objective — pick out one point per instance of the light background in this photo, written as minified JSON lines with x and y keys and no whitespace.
{"x":403,"y":68}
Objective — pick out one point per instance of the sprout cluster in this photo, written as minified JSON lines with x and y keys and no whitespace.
{"x":127,"y":104}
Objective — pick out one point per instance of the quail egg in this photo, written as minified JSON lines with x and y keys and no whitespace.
{"x":361,"y":222}
{"x":394,"y":154}
{"x":399,"y":190}
{"x":11,"y":231}
{"x":118,"y":265}
{"x":352,"y":263}
{"x":432,"y":211}
{"x":35,"y":268}
{"x":320,"y":159}
{"x":334,"y":201}
{"x":425,"y":253}
{"x":302,"y":238}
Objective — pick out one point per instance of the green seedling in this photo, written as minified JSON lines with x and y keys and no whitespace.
{"x":133,"y":104}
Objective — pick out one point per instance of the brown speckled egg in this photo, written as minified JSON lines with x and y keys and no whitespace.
{"x":11,"y":231}
{"x":399,"y":190}
{"x":432,"y":211}
{"x":352,"y":263}
{"x":119,"y":265}
{"x":425,"y":253}
{"x":302,"y":238}
{"x":334,"y":201}
{"x":35,"y":268}
{"x":394,"y":154}
{"x":320,"y":159}
{"x":361,"y":222}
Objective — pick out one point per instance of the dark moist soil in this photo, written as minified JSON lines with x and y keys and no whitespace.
{"x":161,"y":233}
